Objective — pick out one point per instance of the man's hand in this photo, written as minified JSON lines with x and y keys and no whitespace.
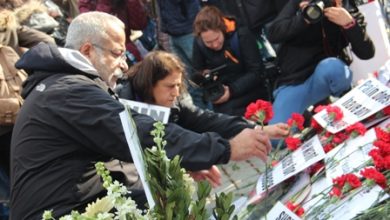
{"x":212,"y":175}
{"x":249,"y":143}
{"x":277,"y":131}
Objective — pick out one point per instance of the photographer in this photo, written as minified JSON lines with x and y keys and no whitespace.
{"x":313,"y":54}
{"x":233,"y":51}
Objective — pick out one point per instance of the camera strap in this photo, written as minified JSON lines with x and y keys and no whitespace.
{"x":327,"y":48}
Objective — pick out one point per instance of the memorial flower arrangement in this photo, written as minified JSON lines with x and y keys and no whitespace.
{"x":173,"y":191}
{"x":346,"y":186}
{"x":374,"y":172}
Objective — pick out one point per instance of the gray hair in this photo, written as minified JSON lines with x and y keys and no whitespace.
{"x":90,"y":27}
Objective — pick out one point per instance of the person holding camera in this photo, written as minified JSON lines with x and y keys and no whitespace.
{"x":315,"y":39}
{"x":159,"y":79}
{"x":229,"y":60}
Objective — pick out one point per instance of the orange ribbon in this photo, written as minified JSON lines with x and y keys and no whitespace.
{"x":231,"y":57}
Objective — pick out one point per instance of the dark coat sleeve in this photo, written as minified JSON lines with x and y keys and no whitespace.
{"x":288,"y":24}
{"x":252,"y":65}
{"x":102,"y":132}
{"x":92,"y":116}
{"x":361,"y":44}
{"x":198,"y":151}
{"x":200,"y":121}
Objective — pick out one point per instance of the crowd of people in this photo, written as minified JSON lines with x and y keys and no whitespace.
{"x":198,"y":58}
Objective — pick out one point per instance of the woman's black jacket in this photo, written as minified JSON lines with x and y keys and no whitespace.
{"x":303,"y":46}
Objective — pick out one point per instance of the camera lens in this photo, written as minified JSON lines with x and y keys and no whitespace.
{"x":314,"y":12}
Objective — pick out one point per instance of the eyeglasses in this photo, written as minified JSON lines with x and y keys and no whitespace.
{"x":117,"y":54}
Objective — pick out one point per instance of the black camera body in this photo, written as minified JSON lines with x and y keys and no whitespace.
{"x":210,"y":82}
{"x":314,"y":11}
{"x":213,"y":88}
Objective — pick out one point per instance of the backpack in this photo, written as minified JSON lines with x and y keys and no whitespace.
{"x":11,"y":80}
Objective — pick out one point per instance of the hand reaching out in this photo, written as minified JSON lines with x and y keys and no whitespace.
{"x":212,"y":175}
{"x":277,"y":131}
{"x":250,"y":143}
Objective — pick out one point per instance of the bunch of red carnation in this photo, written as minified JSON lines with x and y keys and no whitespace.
{"x":373,"y":174}
{"x":380,"y":154}
{"x":344,"y":184}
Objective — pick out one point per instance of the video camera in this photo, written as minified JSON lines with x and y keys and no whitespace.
{"x":213,"y":88}
{"x":314,"y":11}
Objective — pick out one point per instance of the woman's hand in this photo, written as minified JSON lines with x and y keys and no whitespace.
{"x":338,"y":15}
{"x":277,"y":131}
{"x":303,"y":4}
{"x":212,"y":175}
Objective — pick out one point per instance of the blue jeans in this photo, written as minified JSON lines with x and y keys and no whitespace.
{"x":182,"y":47}
{"x":4,"y":186}
{"x":331,"y":77}
{"x":4,"y":194}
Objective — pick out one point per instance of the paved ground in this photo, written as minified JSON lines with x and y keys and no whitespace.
{"x":240,"y":177}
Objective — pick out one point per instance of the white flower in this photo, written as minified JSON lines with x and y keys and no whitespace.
{"x":116,"y":190}
{"x":105,"y":216}
{"x":128,"y":207}
{"x":66,"y":217}
{"x":99,"y":206}
{"x":189,"y":183}
{"x":47,"y":215}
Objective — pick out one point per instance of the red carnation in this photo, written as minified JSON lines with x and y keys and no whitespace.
{"x":328,"y":147}
{"x":387,"y":162}
{"x":259,"y":111}
{"x":296,"y":120}
{"x":335,"y":192}
{"x":314,"y":124}
{"x":356,"y":129}
{"x":292,"y":143}
{"x":373,"y":174}
{"x":347,"y":182}
{"x":383,"y":146}
{"x":339,"y":181}
{"x":386,"y":110}
{"x":334,"y":112}
{"x":382,"y":135}
{"x":353,"y":180}
{"x":313,"y":169}
{"x":377,"y":158}
{"x":297,"y":209}
{"x":319,"y":108}
{"x":339,"y":138}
